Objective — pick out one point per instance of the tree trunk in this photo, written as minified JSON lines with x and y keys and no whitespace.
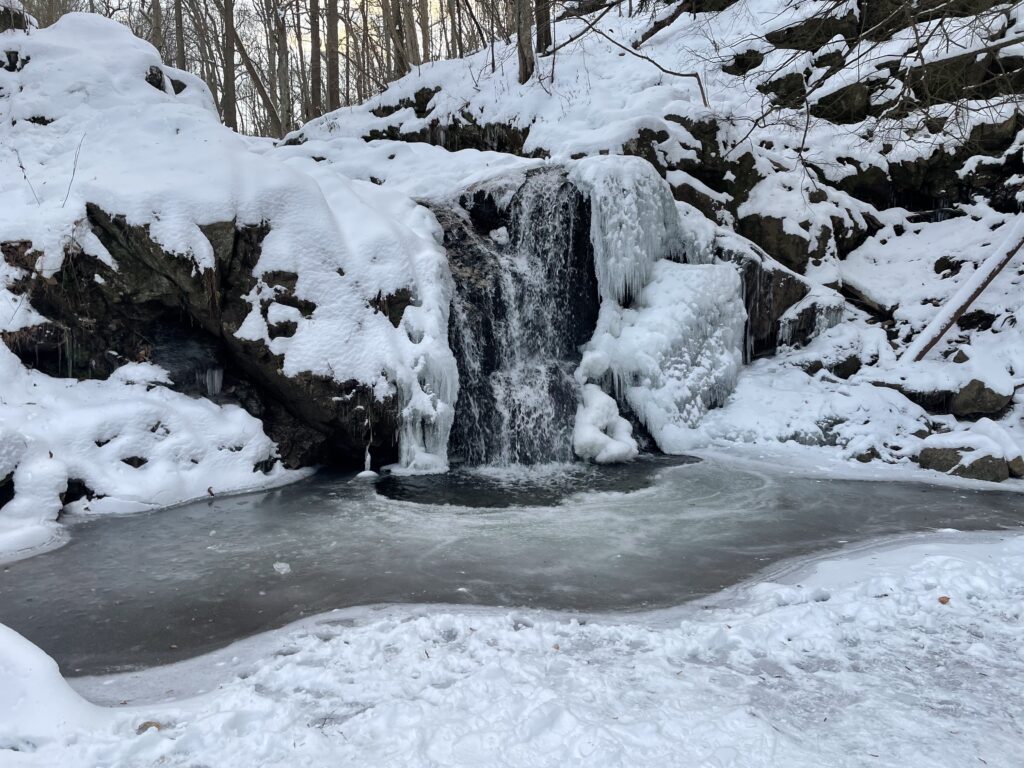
{"x":261,"y":89}
{"x":396,"y":31}
{"x":228,"y":103}
{"x":348,"y":52}
{"x":284,"y":96}
{"x":454,"y":16}
{"x":424,"y":31}
{"x":524,"y":44}
{"x":156,"y":33}
{"x":317,"y":102}
{"x":364,"y":53}
{"x":412,"y":46}
{"x":543,"y":10}
{"x":333,"y":84}
{"x":179,"y":35}
{"x":300,"y":55}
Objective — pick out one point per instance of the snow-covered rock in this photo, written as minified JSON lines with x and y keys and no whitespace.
{"x":130,"y":213}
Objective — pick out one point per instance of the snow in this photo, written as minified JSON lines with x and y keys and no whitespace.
{"x":174,"y":168}
{"x":847,"y":659}
{"x":38,"y":706}
{"x":164,"y":161}
{"x":598,"y":102}
{"x":979,"y":279}
{"x":600,"y":434}
{"x":56,"y":430}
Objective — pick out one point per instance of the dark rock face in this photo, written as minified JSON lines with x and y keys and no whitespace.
{"x":976,"y":399}
{"x":1016,"y":466}
{"x":811,"y":34}
{"x":948,"y":460}
{"x":770,"y":233}
{"x":159,"y":307}
{"x":768,"y":293}
{"x":6,"y":489}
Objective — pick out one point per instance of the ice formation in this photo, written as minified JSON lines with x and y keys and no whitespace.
{"x":669,"y":336}
{"x":633,"y":222}
{"x":676,"y":352}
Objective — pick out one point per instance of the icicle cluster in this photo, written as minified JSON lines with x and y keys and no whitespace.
{"x":676,"y":352}
{"x":634,"y":222}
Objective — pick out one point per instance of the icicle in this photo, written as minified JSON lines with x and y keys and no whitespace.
{"x":633,"y":223}
{"x":367,"y":473}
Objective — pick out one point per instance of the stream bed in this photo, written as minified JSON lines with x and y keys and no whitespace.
{"x":153,"y":588}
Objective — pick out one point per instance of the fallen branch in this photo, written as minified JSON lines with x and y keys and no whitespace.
{"x":955,"y":308}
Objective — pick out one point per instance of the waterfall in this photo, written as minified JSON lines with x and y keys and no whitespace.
{"x":582,"y":300}
{"x":525,"y":302}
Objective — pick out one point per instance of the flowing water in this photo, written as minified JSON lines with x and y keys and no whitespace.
{"x":152,"y":588}
{"x":524,"y":305}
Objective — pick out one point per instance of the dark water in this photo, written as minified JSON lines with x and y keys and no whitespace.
{"x":157,"y":587}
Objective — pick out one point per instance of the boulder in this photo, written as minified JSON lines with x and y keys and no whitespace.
{"x":812,"y":33}
{"x":795,"y":251}
{"x":964,"y":462}
{"x":972,"y":400}
{"x":977,"y":398}
{"x":986,"y":451}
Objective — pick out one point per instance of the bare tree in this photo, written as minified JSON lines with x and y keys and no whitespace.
{"x":317,"y":101}
{"x":179,"y":35}
{"x":542,"y":8}
{"x":524,"y":44}
{"x":229,"y":109}
{"x":284,"y":95}
{"x":333,"y":84}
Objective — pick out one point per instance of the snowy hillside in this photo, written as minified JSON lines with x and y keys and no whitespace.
{"x":895,"y":205}
{"x":151,"y":256}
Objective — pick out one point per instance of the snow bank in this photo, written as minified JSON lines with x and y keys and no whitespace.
{"x":133,"y":443}
{"x":775,"y":402}
{"x":902,"y":655}
{"x":37,"y":708}
{"x":600,"y":434}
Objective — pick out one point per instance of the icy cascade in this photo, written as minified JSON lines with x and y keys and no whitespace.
{"x":634,"y":223}
{"x":674,"y":354}
{"x":525,"y":303}
{"x":669,"y":338}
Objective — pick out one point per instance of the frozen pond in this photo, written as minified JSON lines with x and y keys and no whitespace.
{"x":157,"y":587}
